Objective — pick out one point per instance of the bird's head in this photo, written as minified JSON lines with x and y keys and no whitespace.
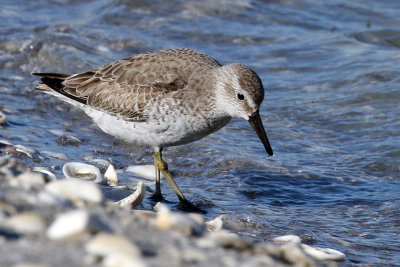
{"x":239,"y":93}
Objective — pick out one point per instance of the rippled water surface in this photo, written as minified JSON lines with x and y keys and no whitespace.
{"x":331,"y":73}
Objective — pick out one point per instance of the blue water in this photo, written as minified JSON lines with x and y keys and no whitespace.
{"x":331,"y":111}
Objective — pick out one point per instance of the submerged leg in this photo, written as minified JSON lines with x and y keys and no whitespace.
{"x":157,"y":196}
{"x":162,"y":166}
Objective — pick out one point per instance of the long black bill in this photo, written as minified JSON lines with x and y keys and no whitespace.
{"x":256,"y":122}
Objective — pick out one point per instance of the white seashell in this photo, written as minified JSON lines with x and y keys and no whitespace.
{"x":55,"y":155}
{"x":134,"y":199}
{"x":30,"y":179}
{"x":3,"y":118}
{"x":216,"y":224}
{"x":75,"y":190}
{"x":82,"y":171}
{"x":104,"y":244}
{"x":26,"y":150}
{"x":186,"y":224}
{"x":6,"y":142}
{"x":50,"y":175}
{"x":229,"y":239}
{"x":287,"y":239}
{"x":102,"y":162}
{"x":111,"y":176}
{"x":26,"y":223}
{"x":123,"y":260}
{"x":327,"y":254}
{"x":73,"y":224}
{"x":56,"y":132}
{"x":146,"y":171}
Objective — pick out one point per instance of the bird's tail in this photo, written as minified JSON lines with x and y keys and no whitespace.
{"x":50,"y":81}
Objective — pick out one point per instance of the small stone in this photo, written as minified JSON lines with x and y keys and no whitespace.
{"x":134,"y":199}
{"x":291,"y":253}
{"x":55,"y":155}
{"x":69,"y":140}
{"x":216,"y":224}
{"x":206,"y":243}
{"x":191,"y":255}
{"x":26,"y":223}
{"x":30,"y":264}
{"x":26,"y":150}
{"x":111,"y":176}
{"x":49,"y":175}
{"x":10,"y":168}
{"x":326,"y":254}
{"x":74,"y":224}
{"x":146,"y":171}
{"x":56,"y":132}
{"x":110,"y":244}
{"x":287,"y":239}
{"x":75,"y":190}
{"x":123,"y":260}
{"x":230,"y":240}
{"x":178,"y":221}
{"x":30,"y":180}
{"x":3,"y":118}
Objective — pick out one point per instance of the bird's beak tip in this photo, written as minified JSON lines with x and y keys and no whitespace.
{"x":256,"y":122}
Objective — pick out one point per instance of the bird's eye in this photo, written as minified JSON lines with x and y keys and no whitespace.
{"x":240,"y":96}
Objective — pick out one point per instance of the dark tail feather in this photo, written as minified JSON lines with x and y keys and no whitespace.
{"x":54,"y":82}
{"x":61,"y":76}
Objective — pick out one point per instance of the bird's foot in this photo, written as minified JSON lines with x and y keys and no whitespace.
{"x":186,"y":205}
{"x":157,"y":197}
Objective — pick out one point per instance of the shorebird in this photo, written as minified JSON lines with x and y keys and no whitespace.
{"x":165,"y":98}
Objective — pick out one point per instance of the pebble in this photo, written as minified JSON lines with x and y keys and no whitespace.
{"x":104,"y":244}
{"x":69,"y":140}
{"x":186,"y":224}
{"x":326,"y":254}
{"x":287,"y":239}
{"x":102,"y":162}
{"x":30,"y":264}
{"x":10,"y":167}
{"x":292,"y":254}
{"x":55,"y":155}
{"x":26,"y":150}
{"x":49,"y":175}
{"x":26,"y":223}
{"x":31,"y":180}
{"x":74,"y":224}
{"x":3,"y":118}
{"x":216,"y":224}
{"x":134,"y":199}
{"x":5,"y":142}
{"x":146,"y":171}
{"x":122,"y":260}
{"x":56,"y":132}
{"x":111,"y":176}
{"x":75,"y":190}
{"x":230,"y":240}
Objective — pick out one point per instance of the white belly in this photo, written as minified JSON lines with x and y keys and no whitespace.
{"x":173,"y":131}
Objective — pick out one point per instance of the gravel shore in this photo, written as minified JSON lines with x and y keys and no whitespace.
{"x":45,"y":223}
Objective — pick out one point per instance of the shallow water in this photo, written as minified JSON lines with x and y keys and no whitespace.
{"x":331,"y":109}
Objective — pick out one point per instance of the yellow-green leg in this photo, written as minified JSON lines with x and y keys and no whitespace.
{"x":162,"y":166}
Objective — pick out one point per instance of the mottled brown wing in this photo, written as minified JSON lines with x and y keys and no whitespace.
{"x":126,"y":87}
